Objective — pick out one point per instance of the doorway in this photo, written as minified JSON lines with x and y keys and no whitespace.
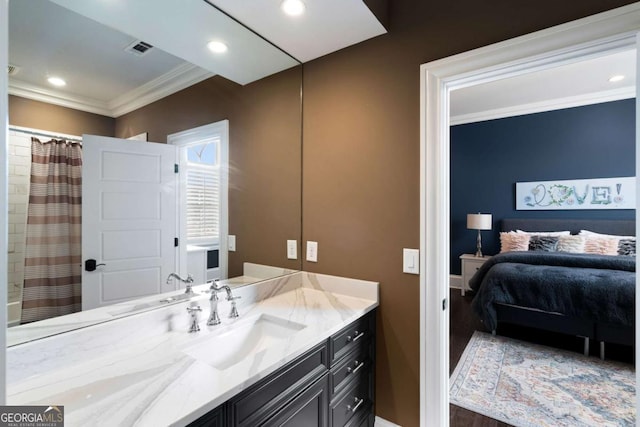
{"x":594,"y":36}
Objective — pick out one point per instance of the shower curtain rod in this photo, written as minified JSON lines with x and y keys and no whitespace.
{"x":48,"y":135}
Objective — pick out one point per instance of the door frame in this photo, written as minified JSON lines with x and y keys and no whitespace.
{"x":607,"y":32}
{"x":184,"y":139}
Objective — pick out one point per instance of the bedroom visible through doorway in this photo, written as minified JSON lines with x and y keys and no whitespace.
{"x":591,"y":37}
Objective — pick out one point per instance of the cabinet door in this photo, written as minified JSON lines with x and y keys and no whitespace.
{"x":258,"y":403}
{"x":215,"y":418}
{"x":309,"y":409}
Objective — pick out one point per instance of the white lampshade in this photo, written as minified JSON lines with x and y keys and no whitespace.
{"x":479,"y":221}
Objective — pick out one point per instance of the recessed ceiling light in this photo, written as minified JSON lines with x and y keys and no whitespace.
{"x":292,"y":7}
{"x":57,"y":81}
{"x":616,"y":78}
{"x":217,"y":47}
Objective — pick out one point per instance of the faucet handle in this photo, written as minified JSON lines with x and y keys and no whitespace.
{"x":193,"y":312}
{"x":230,"y":298}
{"x":234,"y":309}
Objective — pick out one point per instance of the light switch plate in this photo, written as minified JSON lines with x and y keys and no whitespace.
{"x":411,"y":261}
{"x":292,"y":249}
{"x":231,"y":243}
{"x":312,"y":251}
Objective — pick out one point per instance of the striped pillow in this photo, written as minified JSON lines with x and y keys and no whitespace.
{"x":601,"y":245}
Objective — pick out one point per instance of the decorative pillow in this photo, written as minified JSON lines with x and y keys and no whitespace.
{"x":543,"y":243}
{"x":573,"y":244}
{"x":545,"y":233}
{"x":591,"y":233}
{"x":627,"y":247}
{"x":601,"y":245}
{"x":512,"y":241}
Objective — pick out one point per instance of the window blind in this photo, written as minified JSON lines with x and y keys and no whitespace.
{"x":203,"y":202}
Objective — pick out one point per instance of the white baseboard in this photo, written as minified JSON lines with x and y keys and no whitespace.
{"x":381,"y":422}
{"x":455,"y":281}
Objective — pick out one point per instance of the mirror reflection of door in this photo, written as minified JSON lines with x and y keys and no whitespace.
{"x":129,"y":215}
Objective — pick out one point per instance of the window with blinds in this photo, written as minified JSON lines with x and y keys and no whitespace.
{"x":203,"y":192}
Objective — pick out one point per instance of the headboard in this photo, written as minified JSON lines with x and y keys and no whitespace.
{"x":607,"y":226}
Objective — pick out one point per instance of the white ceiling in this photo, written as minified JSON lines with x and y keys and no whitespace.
{"x":325,"y":27}
{"x":86,"y":46}
{"x":183,"y":28}
{"x":88,"y":55}
{"x":581,"y":83}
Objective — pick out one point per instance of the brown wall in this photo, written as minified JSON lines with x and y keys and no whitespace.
{"x":361,"y":159}
{"x":39,"y":115}
{"x":264,"y":156}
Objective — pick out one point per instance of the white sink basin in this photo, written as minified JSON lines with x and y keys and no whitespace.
{"x":242,"y":340}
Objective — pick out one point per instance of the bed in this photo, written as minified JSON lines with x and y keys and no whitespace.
{"x":590,"y":296}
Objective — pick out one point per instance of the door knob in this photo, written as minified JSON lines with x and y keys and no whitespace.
{"x":90,"y":265}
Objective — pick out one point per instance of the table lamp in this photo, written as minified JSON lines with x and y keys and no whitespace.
{"x":479,"y":222}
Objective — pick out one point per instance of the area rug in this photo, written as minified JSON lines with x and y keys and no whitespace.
{"x":526,"y":385}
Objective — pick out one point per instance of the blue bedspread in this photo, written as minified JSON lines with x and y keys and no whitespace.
{"x":600,"y":288}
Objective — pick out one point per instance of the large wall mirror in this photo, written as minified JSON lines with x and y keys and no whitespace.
{"x":88,"y":224}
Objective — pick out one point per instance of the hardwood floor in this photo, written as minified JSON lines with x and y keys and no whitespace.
{"x":464,"y":322}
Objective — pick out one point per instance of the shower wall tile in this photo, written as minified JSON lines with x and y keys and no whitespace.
{"x":19,"y":170}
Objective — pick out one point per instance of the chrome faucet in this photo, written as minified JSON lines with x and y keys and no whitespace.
{"x":214,"y":319}
{"x":193,"y":321}
{"x":188,"y":281}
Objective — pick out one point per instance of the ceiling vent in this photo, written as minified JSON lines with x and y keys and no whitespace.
{"x":13,"y":70}
{"x":138,"y":48}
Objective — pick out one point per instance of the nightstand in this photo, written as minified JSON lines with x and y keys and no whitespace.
{"x":470,"y":264}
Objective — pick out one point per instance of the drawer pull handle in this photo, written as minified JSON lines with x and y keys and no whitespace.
{"x":357,"y":337}
{"x":356,"y":369}
{"x":357,"y":402}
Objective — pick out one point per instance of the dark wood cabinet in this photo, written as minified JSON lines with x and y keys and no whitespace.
{"x":331,"y":385}
{"x":307,"y":409}
{"x":253,"y":406}
{"x":215,"y":418}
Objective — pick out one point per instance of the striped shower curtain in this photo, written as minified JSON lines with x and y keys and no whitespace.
{"x":52,"y":277}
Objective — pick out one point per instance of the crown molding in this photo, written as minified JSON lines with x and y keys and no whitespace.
{"x":181,"y":77}
{"x":542,"y":106}
{"x":175,"y":80}
{"x":38,"y":93}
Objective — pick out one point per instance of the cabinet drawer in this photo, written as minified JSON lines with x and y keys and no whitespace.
{"x":470,"y":268}
{"x":309,"y":409}
{"x":355,"y":401}
{"x":367,"y":421}
{"x":350,"y":337}
{"x":359,"y":360}
{"x":260,"y":401}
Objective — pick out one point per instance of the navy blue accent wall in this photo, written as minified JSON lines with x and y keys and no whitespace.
{"x":488,"y":158}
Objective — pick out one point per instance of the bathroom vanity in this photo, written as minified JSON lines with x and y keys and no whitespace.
{"x":330,"y":385}
{"x":302,"y":352}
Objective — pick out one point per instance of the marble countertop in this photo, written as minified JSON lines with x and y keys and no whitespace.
{"x":139,"y":370}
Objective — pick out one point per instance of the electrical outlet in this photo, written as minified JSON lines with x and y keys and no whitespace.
{"x":312,"y":251}
{"x":231,"y":243}
{"x":292,"y":249}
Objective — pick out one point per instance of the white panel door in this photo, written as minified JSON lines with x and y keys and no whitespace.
{"x":129,"y":219}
